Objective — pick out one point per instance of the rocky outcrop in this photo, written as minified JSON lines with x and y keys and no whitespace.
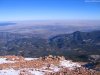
{"x":77,"y":71}
{"x":50,"y":57}
{"x":47,"y":65}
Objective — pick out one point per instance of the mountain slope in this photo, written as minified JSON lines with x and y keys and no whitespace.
{"x":77,"y":45}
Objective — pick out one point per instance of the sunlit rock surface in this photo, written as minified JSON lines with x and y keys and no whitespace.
{"x":48,"y":65}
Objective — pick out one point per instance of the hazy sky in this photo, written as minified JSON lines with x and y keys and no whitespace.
{"x":11,"y":10}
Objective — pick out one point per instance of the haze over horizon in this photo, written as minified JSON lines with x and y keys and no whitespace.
{"x":17,"y":10}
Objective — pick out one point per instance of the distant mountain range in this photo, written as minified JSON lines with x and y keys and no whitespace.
{"x":77,"y":45}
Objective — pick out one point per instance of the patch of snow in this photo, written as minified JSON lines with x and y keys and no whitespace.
{"x":56,"y":69}
{"x":29,"y":59}
{"x":4,"y":60}
{"x":34,"y":72}
{"x":9,"y":72}
{"x":52,"y":68}
{"x":69,"y":64}
{"x":44,"y":69}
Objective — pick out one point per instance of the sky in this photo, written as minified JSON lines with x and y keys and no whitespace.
{"x":16,"y":10}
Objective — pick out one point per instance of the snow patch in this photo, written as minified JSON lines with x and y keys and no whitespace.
{"x":52,"y":68}
{"x":4,"y":60}
{"x":69,"y":64}
{"x":9,"y":72}
{"x":34,"y":72}
{"x":29,"y":59}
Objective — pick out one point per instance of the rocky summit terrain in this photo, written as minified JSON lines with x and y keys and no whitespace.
{"x":47,"y":65}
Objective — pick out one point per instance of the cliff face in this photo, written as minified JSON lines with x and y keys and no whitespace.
{"x":47,"y":65}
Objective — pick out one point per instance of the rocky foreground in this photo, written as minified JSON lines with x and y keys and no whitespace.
{"x":48,"y":65}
